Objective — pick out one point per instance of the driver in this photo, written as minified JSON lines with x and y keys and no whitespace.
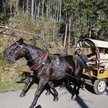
{"x":92,"y":57}
{"x":82,"y":56}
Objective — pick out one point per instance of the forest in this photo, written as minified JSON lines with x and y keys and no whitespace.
{"x":72,"y":18}
{"x":52,"y":24}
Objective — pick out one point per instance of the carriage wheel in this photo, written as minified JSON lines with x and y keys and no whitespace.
{"x":99,"y":86}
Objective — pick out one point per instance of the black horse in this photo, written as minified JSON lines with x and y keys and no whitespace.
{"x":46,"y":70}
{"x":29,"y":79}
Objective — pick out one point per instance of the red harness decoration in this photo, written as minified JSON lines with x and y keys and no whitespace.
{"x":43,"y":57}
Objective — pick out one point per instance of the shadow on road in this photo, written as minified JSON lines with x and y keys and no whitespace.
{"x":81,"y":102}
{"x":39,"y":106}
{"x":89,"y":88}
{"x":79,"y":99}
{"x":107,"y":90}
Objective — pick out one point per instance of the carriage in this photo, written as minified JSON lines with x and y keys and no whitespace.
{"x":69,"y":69}
{"x":98,"y":76}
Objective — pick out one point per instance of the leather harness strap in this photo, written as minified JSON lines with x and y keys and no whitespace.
{"x":41,"y":59}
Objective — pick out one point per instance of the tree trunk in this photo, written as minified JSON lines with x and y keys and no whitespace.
{"x":27,"y":6}
{"x":66,"y":31}
{"x":32,"y":10}
{"x":57,"y":10}
{"x":47,"y":8}
{"x":69,"y":35}
{"x":43,"y":8}
{"x":11,"y":7}
{"x":38,"y":12}
{"x":60,"y":5}
{"x":65,"y":37}
{"x":23,"y":3}
{"x":16,"y":9}
{"x":35,"y":10}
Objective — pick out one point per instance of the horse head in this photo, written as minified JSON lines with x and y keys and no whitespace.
{"x":14,"y":51}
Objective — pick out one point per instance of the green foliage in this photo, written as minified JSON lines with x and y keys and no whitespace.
{"x":4,"y":18}
{"x":2,"y":59}
{"x":105,"y":27}
{"x":7,"y":86}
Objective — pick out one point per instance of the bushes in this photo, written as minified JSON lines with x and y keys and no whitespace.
{"x":4,"y":18}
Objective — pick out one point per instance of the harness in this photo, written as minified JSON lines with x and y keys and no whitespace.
{"x":40,"y":60}
{"x":20,"y":48}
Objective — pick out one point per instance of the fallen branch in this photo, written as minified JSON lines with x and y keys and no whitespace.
{"x":16,"y":30}
{"x":39,"y":36}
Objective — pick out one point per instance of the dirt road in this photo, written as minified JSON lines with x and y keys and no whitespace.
{"x":86,"y":99}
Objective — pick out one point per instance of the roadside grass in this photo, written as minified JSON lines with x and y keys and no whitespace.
{"x":10,"y":86}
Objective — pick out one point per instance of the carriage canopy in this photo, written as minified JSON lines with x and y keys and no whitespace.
{"x":92,"y":43}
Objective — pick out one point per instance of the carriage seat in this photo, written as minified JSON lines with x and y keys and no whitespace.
{"x":103,"y":60}
{"x":92,"y":61}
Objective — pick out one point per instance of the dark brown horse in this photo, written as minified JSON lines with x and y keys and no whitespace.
{"x":46,"y":70}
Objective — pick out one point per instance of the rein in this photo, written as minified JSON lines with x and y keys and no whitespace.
{"x":41,"y":60}
{"x":38,"y":60}
{"x":21,"y":47}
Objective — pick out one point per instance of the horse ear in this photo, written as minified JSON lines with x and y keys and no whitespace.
{"x":20,"y":40}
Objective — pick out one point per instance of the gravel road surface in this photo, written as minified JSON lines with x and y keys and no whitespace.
{"x":86,"y":99}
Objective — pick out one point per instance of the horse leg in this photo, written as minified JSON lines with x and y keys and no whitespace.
{"x":39,"y":90}
{"x":28,"y":83}
{"x":69,"y":87}
{"x":62,"y":85}
{"x":55,"y":94}
{"x":76,"y":91}
{"x":48,"y":91}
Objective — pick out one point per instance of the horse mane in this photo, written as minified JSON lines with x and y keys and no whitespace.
{"x":31,"y":46}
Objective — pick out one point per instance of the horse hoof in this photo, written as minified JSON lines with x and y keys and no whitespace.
{"x":74,"y":97}
{"x":55,"y":99}
{"x":22,"y":94}
{"x":61,"y":87}
{"x":47,"y":93}
{"x":31,"y":107}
